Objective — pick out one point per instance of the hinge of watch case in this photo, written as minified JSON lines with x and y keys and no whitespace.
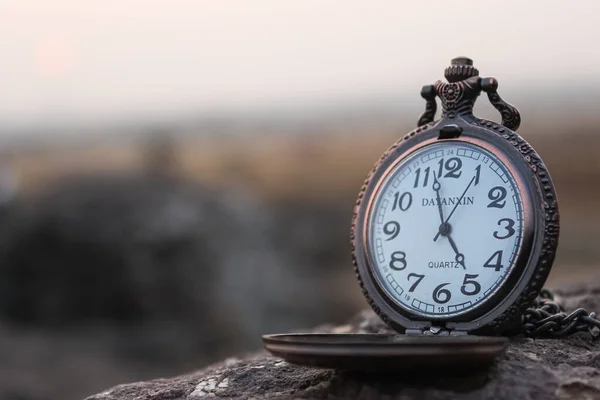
{"x":436,"y":331}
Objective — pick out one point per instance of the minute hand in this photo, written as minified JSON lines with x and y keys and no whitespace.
{"x":456,"y":206}
{"x":437,"y":187}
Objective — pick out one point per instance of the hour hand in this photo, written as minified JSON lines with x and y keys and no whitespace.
{"x":460,"y":257}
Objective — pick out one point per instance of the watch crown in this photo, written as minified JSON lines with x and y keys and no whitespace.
{"x":460,"y":68}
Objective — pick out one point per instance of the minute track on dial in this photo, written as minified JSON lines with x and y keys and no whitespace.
{"x":400,"y":257}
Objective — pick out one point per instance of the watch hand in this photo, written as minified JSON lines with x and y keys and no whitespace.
{"x":461,"y":197}
{"x":457,"y":204}
{"x":437,"y":187}
{"x":460,"y":257}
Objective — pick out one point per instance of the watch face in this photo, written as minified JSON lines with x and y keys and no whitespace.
{"x":445,"y":229}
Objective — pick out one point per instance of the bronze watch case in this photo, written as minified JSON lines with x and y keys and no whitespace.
{"x":448,"y":344}
{"x":501,"y":314}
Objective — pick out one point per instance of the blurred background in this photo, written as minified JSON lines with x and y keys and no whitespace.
{"x":177,"y":177}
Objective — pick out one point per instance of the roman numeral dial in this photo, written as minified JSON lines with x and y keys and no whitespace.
{"x":445,"y":229}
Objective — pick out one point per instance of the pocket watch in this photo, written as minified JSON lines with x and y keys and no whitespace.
{"x":454,"y":233}
{"x":455,"y":229}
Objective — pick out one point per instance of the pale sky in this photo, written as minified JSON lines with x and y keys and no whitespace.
{"x":109,"y":59}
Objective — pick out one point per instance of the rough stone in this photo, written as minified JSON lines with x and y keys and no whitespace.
{"x":531,"y":369}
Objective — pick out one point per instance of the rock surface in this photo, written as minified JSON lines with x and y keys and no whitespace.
{"x":531,"y":369}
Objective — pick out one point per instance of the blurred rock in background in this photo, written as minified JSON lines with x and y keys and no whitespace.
{"x":161,"y":271}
